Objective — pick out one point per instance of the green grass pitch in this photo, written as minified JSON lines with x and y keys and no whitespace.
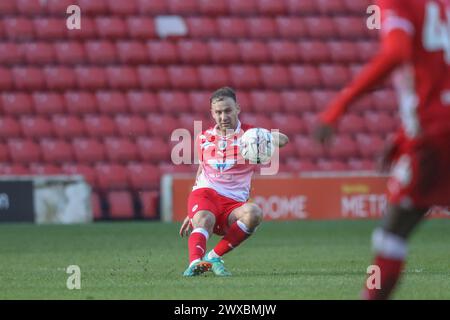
{"x":144,"y":260}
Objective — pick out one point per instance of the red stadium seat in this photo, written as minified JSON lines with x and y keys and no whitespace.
{"x":357,"y":7}
{"x":200,"y":99}
{"x":120,"y":7}
{"x":366,"y":50}
{"x":150,"y":202}
{"x":322,"y":98}
{"x":183,"y":77}
{"x":331,"y":165}
{"x":6,"y":79}
{"x":8,"y":7}
{"x":87,"y":171}
{"x":91,"y":78}
{"x":256,"y":120}
{"x":100,"y":52}
{"x":380,"y":122}
{"x":121,"y":149}
{"x":270,"y":7}
{"x":68,"y":126}
{"x":302,"y":7}
{"x":320,"y":27}
{"x":342,"y":146}
{"x":96,"y":204}
{"x":88,"y":150}
{"x":361,"y":165}
{"x":11,"y":53}
{"x":141,"y":27}
{"x":162,"y":125}
{"x":153,"y":149}
{"x":362,"y":104}
{"x":60,"y":78}
{"x":59,"y":7}
{"x":289,"y":124}
{"x":122,"y":77}
{"x":169,"y":167}
{"x":36,"y":127}
{"x":174,"y":101}
{"x":111,"y":102}
{"x":44,"y":169}
{"x":283,"y":51}
{"x":261,"y":27}
{"x":266,"y":101}
{"x":88,"y":31}
{"x":38,"y":53}
{"x":343,"y":51}
{"x":24,"y":151}
{"x":14,"y":169}
{"x":111,"y":176}
{"x":304,"y":76}
{"x":111,"y":27}
{"x":19,"y":28}
{"x":244,"y":100}
{"x":213,"y":77}
{"x":237,"y":7}
{"x":275,"y":76}
{"x":183,"y":7}
{"x":213,"y":8}
{"x":17,"y":103}
{"x":253,"y":51}
{"x":9,"y":128}
{"x":142,"y":102}
{"x":202,"y":27}
{"x":351,"y":123}
{"x":334,"y":76}
{"x":120,"y":205}
{"x":162,"y":52}
{"x":152,"y":7}
{"x":56,"y":151}
{"x":28,"y":78}
{"x":193,"y":51}
{"x":98,"y":126}
{"x":187,"y":121}
{"x":80,"y":102}
{"x":223,"y":52}
{"x":132,"y":52}
{"x":69,"y":52}
{"x":131,"y":126}
{"x":331,"y":7}
{"x":51,"y":28}
{"x":291,"y":27}
{"x":153,"y":77}
{"x":297,"y":165}
{"x":369,"y":146}
{"x":307,"y":148}
{"x":244,"y":76}
{"x":351,"y":27}
{"x":314,"y":52}
{"x":232,"y":27}
{"x":143,"y":176}
{"x":297,"y":101}
{"x":385,"y":100}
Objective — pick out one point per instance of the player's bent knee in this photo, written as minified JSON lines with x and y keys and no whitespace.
{"x":204,"y":219}
{"x":252,"y":215}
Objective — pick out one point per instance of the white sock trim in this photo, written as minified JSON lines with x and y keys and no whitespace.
{"x":194,"y":261}
{"x":212,"y":254}
{"x":202,"y":231}
{"x":243,"y":227}
{"x":389,"y":245}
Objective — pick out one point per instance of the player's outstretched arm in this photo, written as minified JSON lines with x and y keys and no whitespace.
{"x":280,"y":139}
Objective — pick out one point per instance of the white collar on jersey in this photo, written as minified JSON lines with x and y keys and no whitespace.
{"x":238,"y":128}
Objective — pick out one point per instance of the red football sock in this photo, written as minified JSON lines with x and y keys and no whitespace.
{"x":197,"y":244}
{"x":390,"y":270}
{"x":237,"y":233}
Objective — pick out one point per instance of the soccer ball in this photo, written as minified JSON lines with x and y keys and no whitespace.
{"x":257,"y":146}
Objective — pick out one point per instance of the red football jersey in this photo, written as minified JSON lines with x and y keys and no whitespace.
{"x":423,"y":84}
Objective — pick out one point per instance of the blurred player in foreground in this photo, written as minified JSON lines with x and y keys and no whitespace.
{"x":415,"y":40}
{"x":218,"y":203}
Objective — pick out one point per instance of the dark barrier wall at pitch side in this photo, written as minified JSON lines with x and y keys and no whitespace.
{"x":16,"y":201}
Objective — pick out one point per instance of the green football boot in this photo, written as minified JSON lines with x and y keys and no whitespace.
{"x":218,"y":267}
{"x":197,"y":268}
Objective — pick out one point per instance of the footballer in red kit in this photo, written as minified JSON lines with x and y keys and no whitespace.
{"x":218,"y":201}
{"x":415,"y":47}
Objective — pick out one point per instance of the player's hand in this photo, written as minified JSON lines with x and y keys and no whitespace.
{"x":186,"y":227}
{"x":323,"y":133}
